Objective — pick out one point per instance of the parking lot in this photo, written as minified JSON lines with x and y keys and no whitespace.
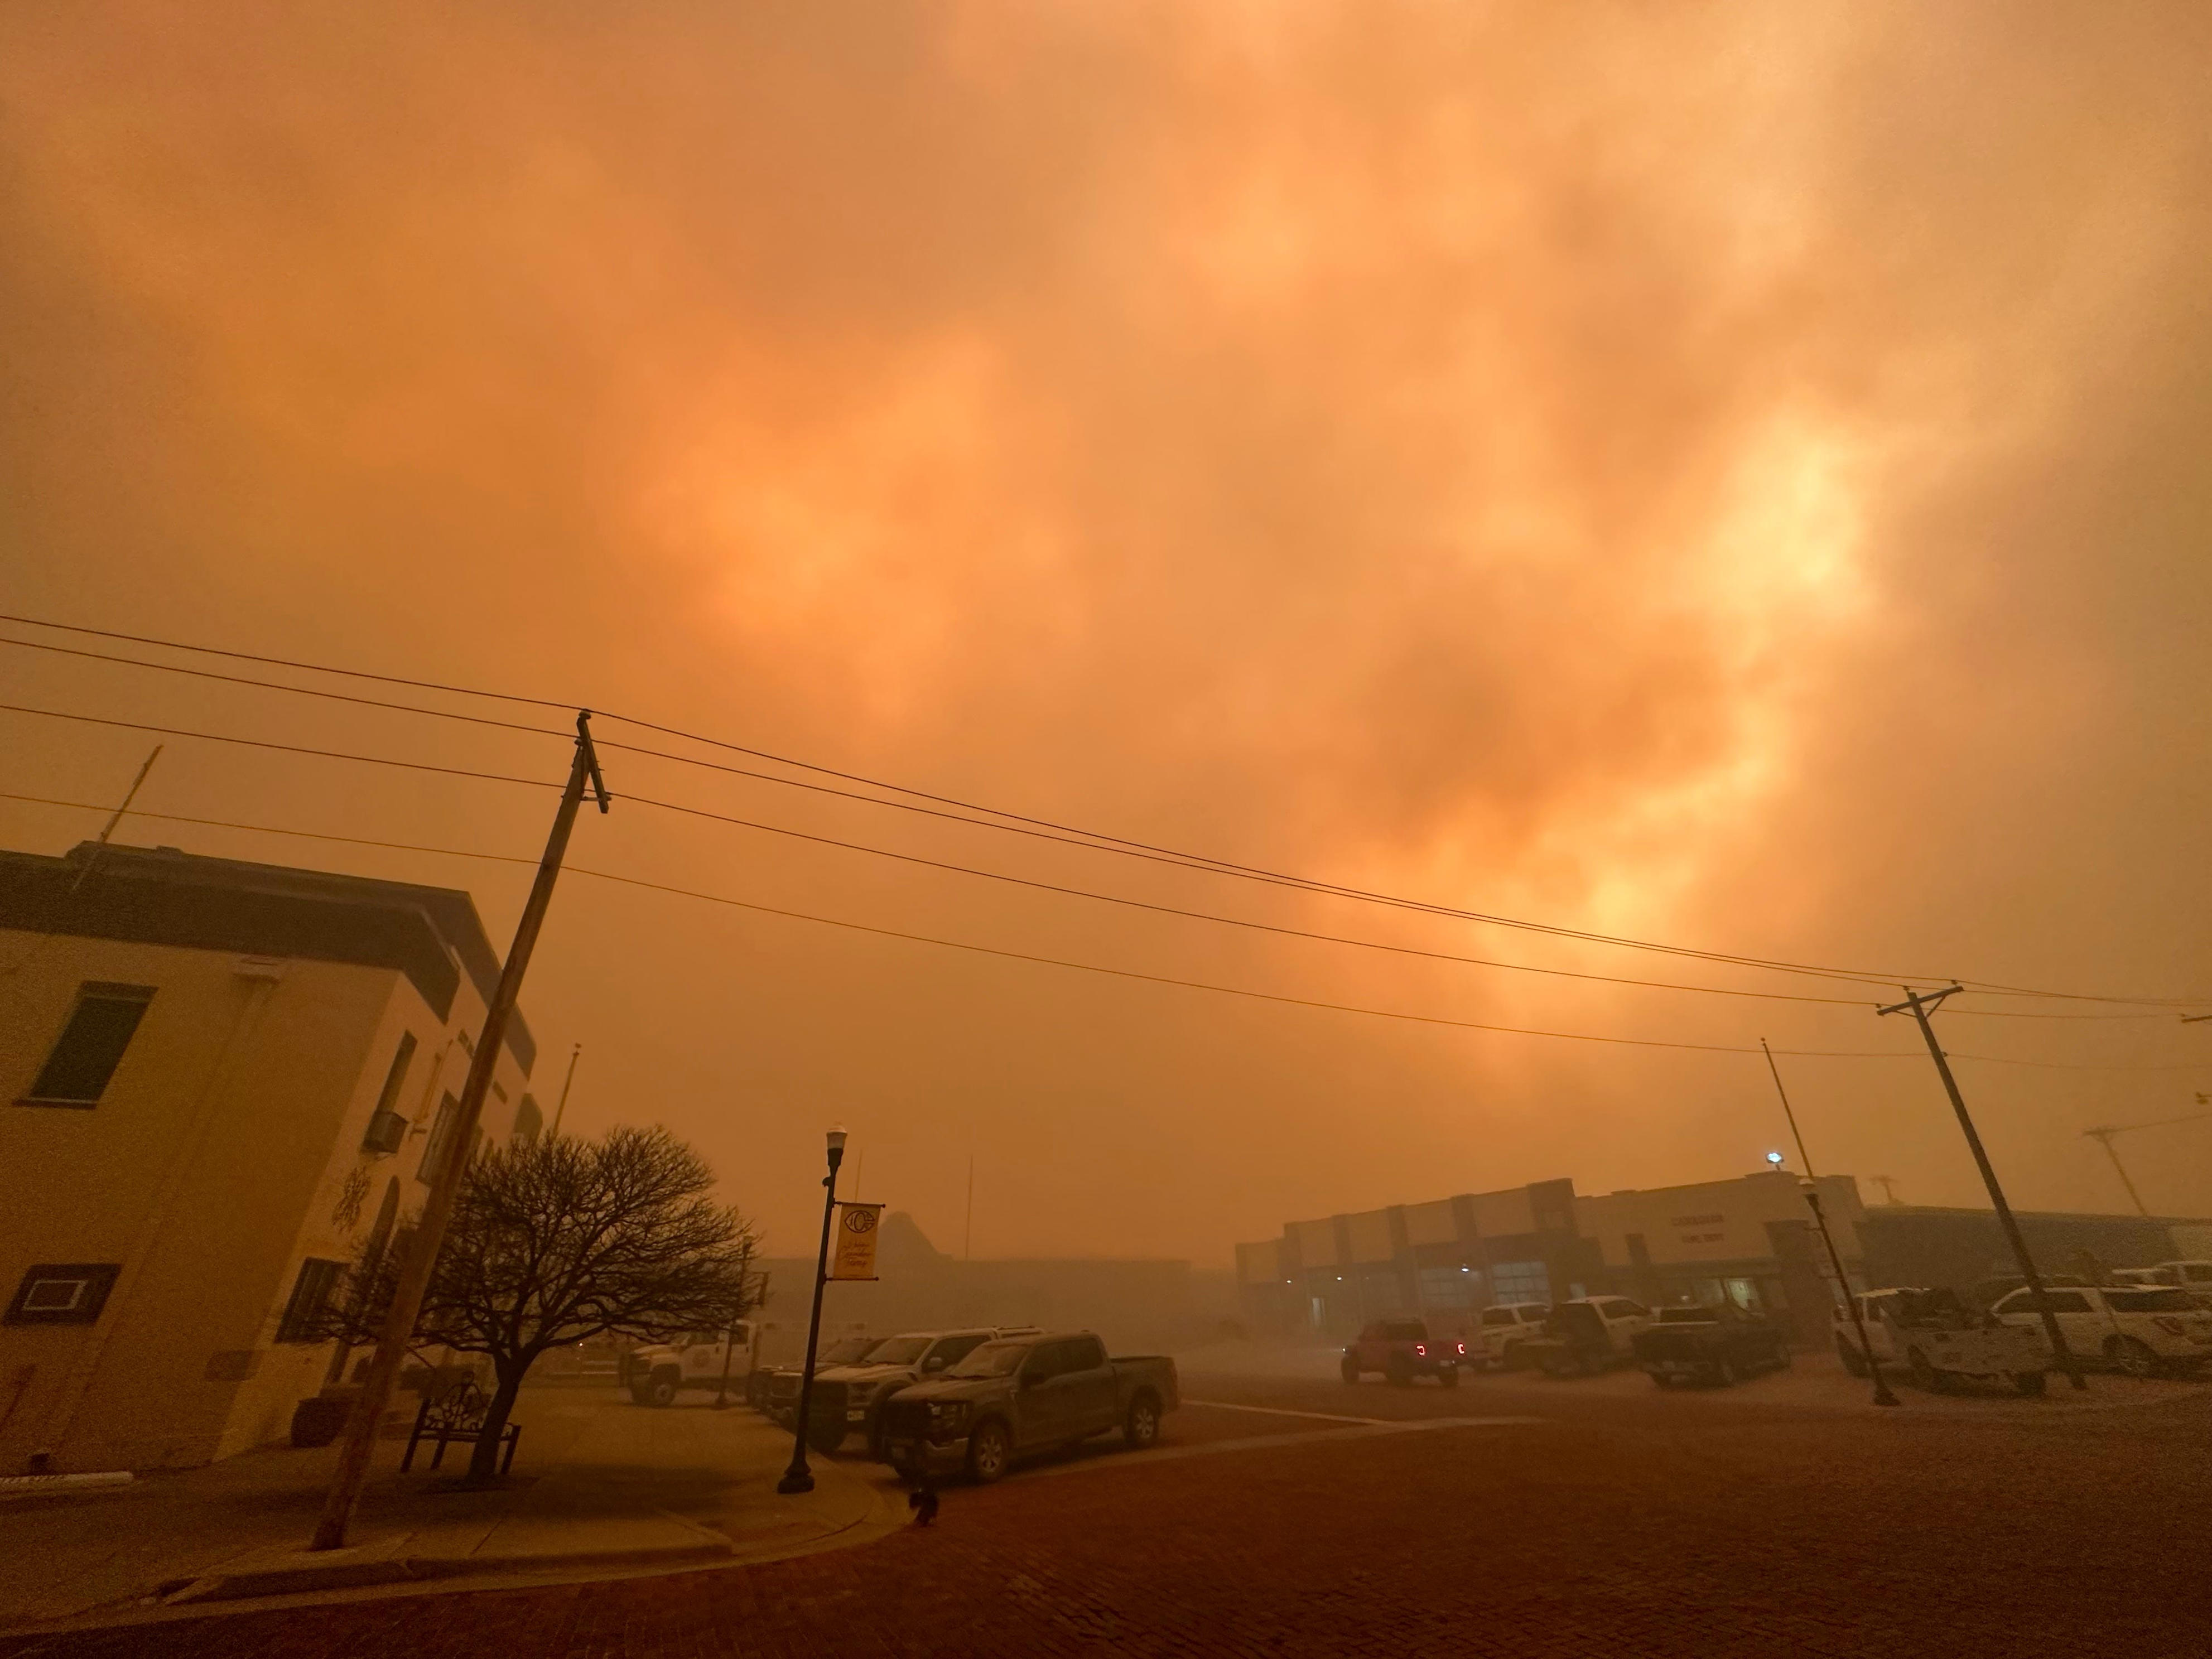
{"x":1287,"y":1513}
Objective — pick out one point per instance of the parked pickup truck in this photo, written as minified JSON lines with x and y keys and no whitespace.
{"x":1025,"y":1394}
{"x":1709,"y":1344}
{"x":775,"y":1392}
{"x":1402,"y":1349}
{"x":1941,"y":1340}
{"x":850,"y":1398}
{"x":738,"y":1359}
{"x":1589,"y":1334}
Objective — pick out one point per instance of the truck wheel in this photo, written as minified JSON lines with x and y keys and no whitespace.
{"x":1350,"y":1370}
{"x":989,"y":1450}
{"x":2132,"y":1356}
{"x":1397,"y":1373}
{"x":1513,"y":1358}
{"x":1141,"y":1429}
{"x":1854,"y":1361}
{"x":1448,"y":1377}
{"x":825,"y":1437}
{"x":661,"y":1389}
{"x":2028,"y":1382}
{"x":1662,"y":1379}
{"x":1726,"y":1374}
{"x":1925,"y":1375}
{"x":1784,"y":1357}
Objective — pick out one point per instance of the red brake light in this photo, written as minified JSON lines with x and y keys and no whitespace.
{"x":1421,"y":1348}
{"x":1461,"y":1347}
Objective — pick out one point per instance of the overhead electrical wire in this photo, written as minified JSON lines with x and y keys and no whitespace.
{"x":992,"y":950}
{"x":1069,"y":835}
{"x":1065,"y":963}
{"x":1012,"y":880}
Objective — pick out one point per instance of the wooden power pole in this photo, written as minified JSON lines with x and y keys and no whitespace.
{"x":1921,"y":1007}
{"x":445,"y":1180}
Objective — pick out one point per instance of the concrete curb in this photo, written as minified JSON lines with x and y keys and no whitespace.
{"x":417,"y":1569}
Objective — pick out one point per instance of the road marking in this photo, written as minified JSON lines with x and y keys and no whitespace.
{"x":1279,"y":1410}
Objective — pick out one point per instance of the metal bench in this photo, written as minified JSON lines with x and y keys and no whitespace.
{"x":457,"y":1414}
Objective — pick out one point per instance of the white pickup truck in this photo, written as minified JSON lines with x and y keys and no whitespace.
{"x":744,"y":1355}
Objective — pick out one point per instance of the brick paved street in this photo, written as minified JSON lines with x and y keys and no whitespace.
{"x":1624,"y":1523}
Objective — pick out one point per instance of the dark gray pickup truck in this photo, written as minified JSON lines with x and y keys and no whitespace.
{"x":1025,"y":1395}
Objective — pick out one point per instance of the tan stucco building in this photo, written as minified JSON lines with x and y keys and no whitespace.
{"x":219,"y":1082}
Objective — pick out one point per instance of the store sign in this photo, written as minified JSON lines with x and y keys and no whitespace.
{"x":854,"y":1256}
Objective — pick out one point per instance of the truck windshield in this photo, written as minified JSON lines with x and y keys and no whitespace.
{"x":899,"y":1351}
{"x":846,"y":1349}
{"x":992,"y":1359}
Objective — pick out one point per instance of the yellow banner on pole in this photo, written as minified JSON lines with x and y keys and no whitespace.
{"x":854,"y":1257}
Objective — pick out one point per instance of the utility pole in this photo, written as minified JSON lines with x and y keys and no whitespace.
{"x":1921,"y":1007}
{"x":1882,"y":1396}
{"x":2104,"y":1138}
{"x":574,"y":1054}
{"x":968,"y":1231}
{"x":445,"y":1180}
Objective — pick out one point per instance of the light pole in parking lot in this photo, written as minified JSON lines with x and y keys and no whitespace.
{"x":1882,"y":1396}
{"x":798,"y":1478}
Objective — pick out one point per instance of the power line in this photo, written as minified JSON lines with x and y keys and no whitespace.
{"x":282,"y":748}
{"x":279,"y":685}
{"x":1058,"y":962}
{"x":1097,"y":840}
{"x":990,"y":875}
{"x":994,"y":950}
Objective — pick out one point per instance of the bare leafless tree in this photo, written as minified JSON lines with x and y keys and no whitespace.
{"x":559,"y":1240}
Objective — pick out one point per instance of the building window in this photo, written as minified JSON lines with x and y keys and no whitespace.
{"x":85,"y":1056}
{"x":1520,"y":1281}
{"x":441,"y":1130}
{"x":387,"y":1100}
{"x":528,"y":1121}
{"x":63,"y":1294}
{"x":310,"y":1295}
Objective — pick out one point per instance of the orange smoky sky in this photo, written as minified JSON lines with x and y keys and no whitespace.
{"x":1730,"y":474}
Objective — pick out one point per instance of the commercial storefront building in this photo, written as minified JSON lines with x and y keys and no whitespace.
{"x":1749,"y":1240}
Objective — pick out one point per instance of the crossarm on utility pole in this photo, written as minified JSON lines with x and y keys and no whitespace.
{"x":445,"y":1180}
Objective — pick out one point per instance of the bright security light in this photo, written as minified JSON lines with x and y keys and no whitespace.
{"x":1775,"y":1159}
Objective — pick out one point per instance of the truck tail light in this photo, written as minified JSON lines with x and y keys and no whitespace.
{"x":1461,"y":1347}
{"x":1422,"y":1349}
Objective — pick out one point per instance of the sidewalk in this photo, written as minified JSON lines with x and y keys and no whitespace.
{"x":600,"y":1488}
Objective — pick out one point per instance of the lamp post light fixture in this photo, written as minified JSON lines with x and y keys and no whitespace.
{"x":798,"y":1478}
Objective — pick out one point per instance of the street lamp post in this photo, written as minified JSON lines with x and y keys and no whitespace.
{"x":1882,"y":1396}
{"x":798,"y":1478}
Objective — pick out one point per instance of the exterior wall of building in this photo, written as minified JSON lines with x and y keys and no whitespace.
{"x":223,"y":1153}
{"x":1912,"y":1244}
{"x":1750,"y":1239}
